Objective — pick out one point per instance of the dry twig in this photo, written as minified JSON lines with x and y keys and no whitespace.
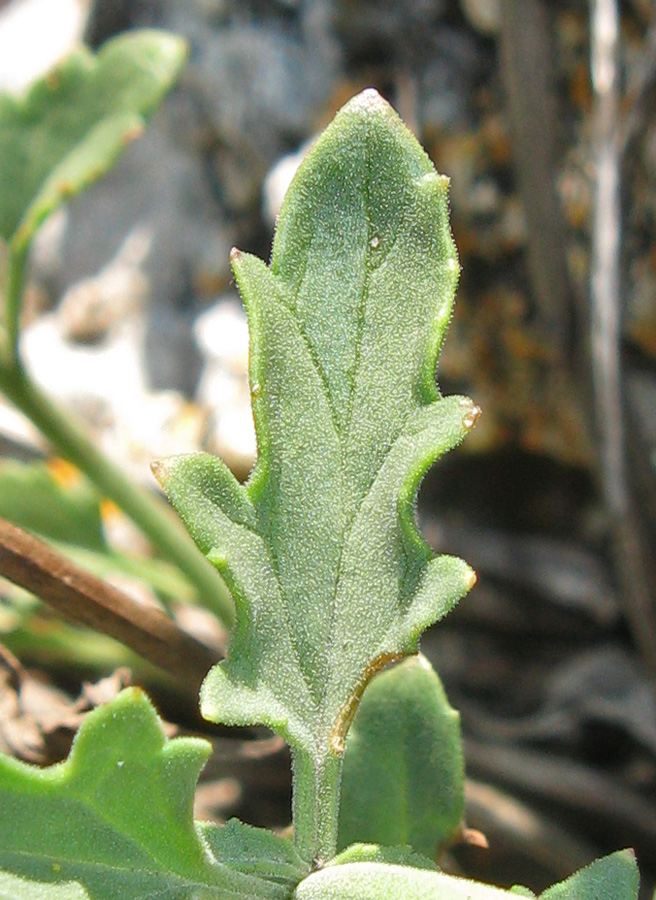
{"x":88,"y":600}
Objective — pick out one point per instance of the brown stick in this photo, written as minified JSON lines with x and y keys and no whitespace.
{"x":88,"y":600}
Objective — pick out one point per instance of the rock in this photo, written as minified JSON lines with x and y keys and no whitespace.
{"x":93,"y":306}
{"x":260,"y":87}
{"x":35,"y":35}
{"x":222,"y":336}
{"x":278,"y":180}
{"x":160,"y":188}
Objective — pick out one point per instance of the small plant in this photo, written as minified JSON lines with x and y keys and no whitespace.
{"x":67,"y":132}
{"x":330,"y":578}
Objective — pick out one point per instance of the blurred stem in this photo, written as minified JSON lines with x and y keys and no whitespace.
{"x":83,"y":598}
{"x":16,"y":262}
{"x":148,"y":512}
{"x":632,"y":550}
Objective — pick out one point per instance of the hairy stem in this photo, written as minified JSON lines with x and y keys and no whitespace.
{"x":151,"y":515}
{"x":315,"y":804}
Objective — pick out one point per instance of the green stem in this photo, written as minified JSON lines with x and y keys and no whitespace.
{"x":16,"y":262}
{"x":152,"y":515}
{"x":315,"y":804}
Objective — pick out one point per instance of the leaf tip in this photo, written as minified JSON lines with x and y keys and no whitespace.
{"x":160,"y":471}
{"x":368,"y":100}
{"x":471,"y":580}
{"x":471,"y":413}
{"x":235,"y":256}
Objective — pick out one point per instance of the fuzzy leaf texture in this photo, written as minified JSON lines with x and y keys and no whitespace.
{"x":320,"y":547}
{"x":614,"y":877}
{"x":114,"y":822}
{"x":72,"y":125}
{"x":329,"y":574}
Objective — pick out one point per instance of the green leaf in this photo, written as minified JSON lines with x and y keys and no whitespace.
{"x":398,"y":856}
{"x":73,"y":124}
{"x":403,"y":777}
{"x":32,"y":498}
{"x":373,"y":881}
{"x":614,"y":877}
{"x":330,"y":576}
{"x":114,"y":822}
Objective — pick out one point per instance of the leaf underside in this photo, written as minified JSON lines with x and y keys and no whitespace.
{"x":329,"y":573}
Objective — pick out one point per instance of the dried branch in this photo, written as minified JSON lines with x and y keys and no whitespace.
{"x":87,"y":600}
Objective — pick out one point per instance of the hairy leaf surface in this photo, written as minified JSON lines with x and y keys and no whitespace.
{"x":329,"y":573}
{"x":614,"y":877}
{"x":404,"y":773}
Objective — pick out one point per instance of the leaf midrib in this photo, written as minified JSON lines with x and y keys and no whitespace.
{"x":324,"y":728}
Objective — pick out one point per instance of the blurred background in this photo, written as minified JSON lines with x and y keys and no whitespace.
{"x":543,"y":114}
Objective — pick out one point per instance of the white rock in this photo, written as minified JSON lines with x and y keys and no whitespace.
{"x":35,"y":35}
{"x":278,"y":180}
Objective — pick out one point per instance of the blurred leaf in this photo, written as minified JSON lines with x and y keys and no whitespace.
{"x":64,"y":511}
{"x":55,"y":502}
{"x":403,"y":780}
{"x":73,"y":124}
{"x":614,"y":877}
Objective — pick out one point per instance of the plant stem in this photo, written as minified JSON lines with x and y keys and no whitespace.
{"x":16,"y":261}
{"x":154,"y":518}
{"x":315,"y":804}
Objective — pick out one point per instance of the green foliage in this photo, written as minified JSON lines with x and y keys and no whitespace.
{"x":614,"y":877}
{"x":403,"y":778}
{"x":32,"y":498}
{"x":114,"y":822}
{"x":329,"y":574}
{"x":72,"y":125}
{"x":330,"y":577}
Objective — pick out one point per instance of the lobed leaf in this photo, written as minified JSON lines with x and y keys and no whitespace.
{"x":320,"y":548}
{"x":114,"y":822}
